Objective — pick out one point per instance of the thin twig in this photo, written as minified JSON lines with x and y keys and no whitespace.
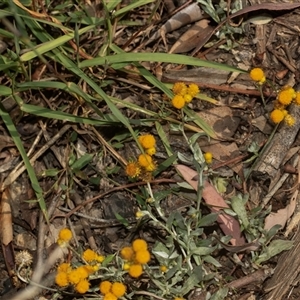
{"x":17,"y":171}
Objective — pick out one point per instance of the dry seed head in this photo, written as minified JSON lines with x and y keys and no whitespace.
{"x":23,"y":258}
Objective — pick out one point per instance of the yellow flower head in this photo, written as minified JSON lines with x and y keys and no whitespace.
{"x":64,"y":267}
{"x":257,"y":74}
{"x":208,"y":157}
{"x":127,"y":253}
{"x":82,"y":286}
{"x":187,"y":98}
{"x":74,"y":276}
{"x":277,"y":116}
{"x":133,"y":169}
{"x":110,"y":296}
{"x":289,"y":120}
{"x":178,"y":101}
{"x":105,"y":287}
{"x":89,"y":255}
{"x":89,"y":269}
{"x":178,"y":298}
{"x":83,"y":272}
{"x":96,"y":267}
{"x":145,"y":160}
{"x":179,"y":88}
{"x":151,"y":167}
{"x":142,"y":256}
{"x":100,"y":258}
{"x":139,"y":214}
{"x":118,"y":289}
{"x":61,"y":279}
{"x":286,"y":95}
{"x":193,"y":89}
{"x":135,"y":271}
{"x":147,"y":141}
{"x":163,"y":269}
{"x":297,"y":98}
{"x":139,"y":245}
{"x":151,"y":151}
{"x":64,"y":236}
{"x":126,"y":266}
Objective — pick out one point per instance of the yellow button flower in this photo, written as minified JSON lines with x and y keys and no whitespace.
{"x":139,"y":214}
{"x":151,"y":167}
{"x":64,"y":237}
{"x":277,"y":116}
{"x":89,"y":269}
{"x":178,"y":101}
{"x":208,"y":157}
{"x":133,"y":169}
{"x":297,"y":98}
{"x":64,"y":267}
{"x":118,"y":289}
{"x":145,"y":160}
{"x":286,"y":95}
{"x":135,"y":271}
{"x":289,"y":120}
{"x":61,"y":279}
{"x":74,"y":276}
{"x":105,"y":287}
{"x":127,"y":253}
{"x":187,"y":98}
{"x":82,"y":286}
{"x":139,"y":245}
{"x":147,"y":141}
{"x":89,"y":255}
{"x":142,"y":256}
{"x":151,"y":151}
{"x":179,"y":88}
{"x":83,"y":272}
{"x":100,"y":258}
{"x":110,"y":296}
{"x":163,"y":269}
{"x":193,"y":89}
{"x":257,"y":74}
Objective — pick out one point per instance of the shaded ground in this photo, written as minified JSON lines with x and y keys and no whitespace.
{"x":81,"y":168}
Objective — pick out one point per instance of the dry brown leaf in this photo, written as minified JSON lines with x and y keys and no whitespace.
{"x":192,"y":37}
{"x":5,"y":141}
{"x":222,"y":121}
{"x":229,"y":225}
{"x":188,"y":15}
{"x":282,"y":215}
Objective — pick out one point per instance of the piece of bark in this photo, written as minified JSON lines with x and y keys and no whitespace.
{"x":287,"y":270}
{"x":273,"y":156}
{"x":208,"y":75}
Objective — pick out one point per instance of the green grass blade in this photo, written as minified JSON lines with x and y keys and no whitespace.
{"x":131,"y":6}
{"x":53,"y":44}
{"x":158,"y":57}
{"x":59,"y":115}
